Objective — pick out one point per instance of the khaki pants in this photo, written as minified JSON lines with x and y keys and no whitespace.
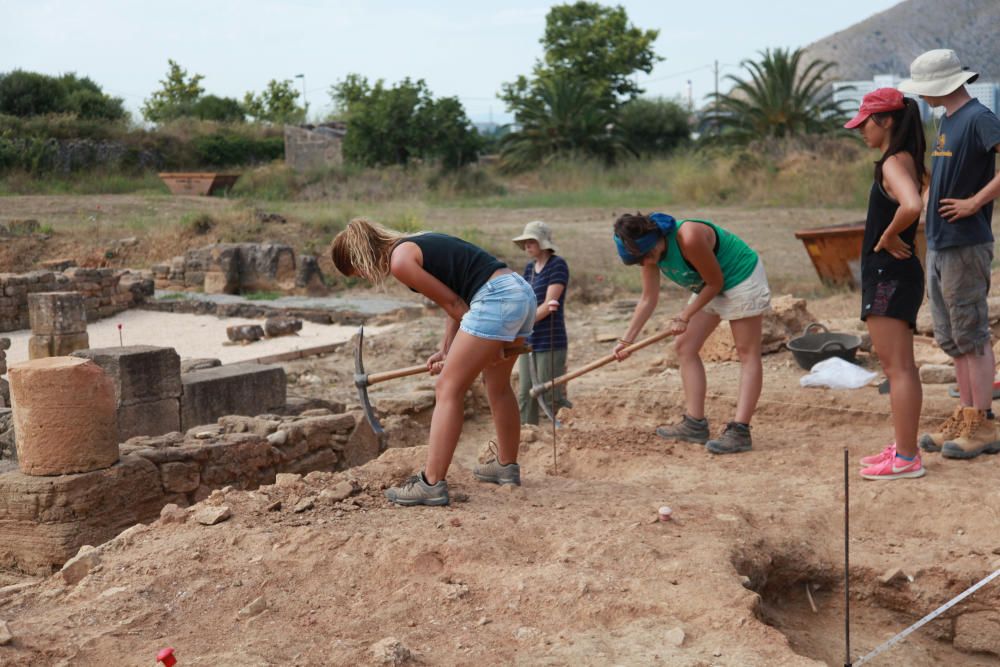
{"x":548,"y":364}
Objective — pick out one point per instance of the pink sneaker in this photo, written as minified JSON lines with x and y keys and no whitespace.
{"x":895,"y":468}
{"x":875,"y":459}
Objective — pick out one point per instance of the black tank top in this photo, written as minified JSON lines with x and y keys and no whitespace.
{"x":879,"y":266}
{"x":461,"y":266}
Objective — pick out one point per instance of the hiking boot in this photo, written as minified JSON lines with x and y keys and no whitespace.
{"x":736,"y":438}
{"x":895,"y":467}
{"x":978,"y":435}
{"x":933,"y":442}
{"x":496,"y":472}
{"x":416,"y":491}
{"x":875,"y":459}
{"x":689,"y":429}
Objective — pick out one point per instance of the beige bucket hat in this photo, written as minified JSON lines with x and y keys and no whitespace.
{"x":936,"y":73}
{"x":536,"y":230}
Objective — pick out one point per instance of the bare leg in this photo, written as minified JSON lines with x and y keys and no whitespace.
{"x":981,"y":371}
{"x":962,"y":375}
{"x":688,"y":346}
{"x":747,"y":335}
{"x":893,"y":342}
{"x":467,"y":357}
{"x":503,"y":406}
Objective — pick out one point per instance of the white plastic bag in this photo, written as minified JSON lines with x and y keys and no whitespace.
{"x":836,"y":373}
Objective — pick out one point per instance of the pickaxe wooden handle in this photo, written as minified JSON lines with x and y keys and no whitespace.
{"x":363,"y":380}
{"x":603,"y":361}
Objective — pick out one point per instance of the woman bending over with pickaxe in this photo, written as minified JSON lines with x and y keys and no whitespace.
{"x":729,"y":283}
{"x":488,"y":306}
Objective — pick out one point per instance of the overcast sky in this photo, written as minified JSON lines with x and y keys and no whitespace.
{"x":462,"y":48}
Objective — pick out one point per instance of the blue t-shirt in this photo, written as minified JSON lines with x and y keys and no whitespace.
{"x":962,"y":163}
{"x":550,"y":333}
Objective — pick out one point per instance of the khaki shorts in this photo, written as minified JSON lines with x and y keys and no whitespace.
{"x":749,"y":298}
{"x":958,"y":283}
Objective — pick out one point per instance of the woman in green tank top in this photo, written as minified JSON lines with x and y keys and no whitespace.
{"x":728,"y":283}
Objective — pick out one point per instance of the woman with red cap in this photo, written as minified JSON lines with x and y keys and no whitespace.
{"x":892,"y":278}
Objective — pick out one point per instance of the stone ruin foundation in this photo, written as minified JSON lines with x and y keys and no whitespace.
{"x":72,"y":480}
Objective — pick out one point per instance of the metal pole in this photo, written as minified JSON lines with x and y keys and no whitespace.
{"x":715,"y":103}
{"x":552,"y":395}
{"x":847,"y":564}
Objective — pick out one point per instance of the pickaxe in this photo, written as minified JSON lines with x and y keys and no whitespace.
{"x":363,"y":380}
{"x":539,"y":389}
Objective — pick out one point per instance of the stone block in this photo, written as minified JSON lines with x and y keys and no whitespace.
{"x":237,"y":389}
{"x":45,"y":520}
{"x":149,"y":418}
{"x":180,"y":477}
{"x":217,"y":282}
{"x":978,"y":632}
{"x":245,"y":333}
{"x":937,"y":374}
{"x":282,"y":326}
{"x":266,"y":266}
{"x":58,"y":345}
{"x":64,"y":416}
{"x":141,"y":373}
{"x":52,"y":313}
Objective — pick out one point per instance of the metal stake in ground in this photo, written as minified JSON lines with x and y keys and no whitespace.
{"x":553,"y":306}
{"x":847,"y":564}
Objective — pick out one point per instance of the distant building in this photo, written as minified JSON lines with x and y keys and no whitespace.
{"x":851,"y":93}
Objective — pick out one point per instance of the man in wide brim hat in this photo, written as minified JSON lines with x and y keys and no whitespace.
{"x":963,"y":185}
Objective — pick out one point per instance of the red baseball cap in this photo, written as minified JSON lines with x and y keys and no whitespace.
{"x":877,"y":101}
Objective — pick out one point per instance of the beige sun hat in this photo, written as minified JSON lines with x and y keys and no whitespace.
{"x":936,"y":73}
{"x":536,"y":230}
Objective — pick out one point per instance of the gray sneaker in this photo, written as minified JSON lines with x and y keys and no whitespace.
{"x":736,"y":438}
{"x":689,"y":429}
{"x":416,"y":491}
{"x":496,"y":472}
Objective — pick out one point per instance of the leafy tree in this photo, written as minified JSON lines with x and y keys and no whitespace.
{"x":32,"y":94}
{"x":176,"y":97}
{"x":654,"y":126}
{"x":592,"y":42}
{"x":777,"y":98}
{"x":563,"y":119}
{"x":394,"y":125}
{"x":276,"y":104}
{"x":221,"y":109}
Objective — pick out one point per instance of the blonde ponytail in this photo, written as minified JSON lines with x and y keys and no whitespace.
{"x":363,"y":249}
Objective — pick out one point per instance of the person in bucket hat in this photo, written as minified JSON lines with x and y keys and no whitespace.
{"x":892,"y":279}
{"x":548,"y":275}
{"x":960,"y":198}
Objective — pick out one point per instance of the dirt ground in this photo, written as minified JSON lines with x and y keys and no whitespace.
{"x":571,"y":568}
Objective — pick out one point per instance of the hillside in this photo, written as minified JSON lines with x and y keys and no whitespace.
{"x":887,"y":42}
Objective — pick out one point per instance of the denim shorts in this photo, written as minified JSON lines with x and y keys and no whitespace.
{"x":502,"y":309}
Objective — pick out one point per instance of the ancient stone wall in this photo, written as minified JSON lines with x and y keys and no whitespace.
{"x":45,"y":520}
{"x":105,"y":292}
{"x":314,"y":148}
{"x":240,"y":268}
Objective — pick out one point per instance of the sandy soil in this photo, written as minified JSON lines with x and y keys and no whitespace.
{"x":573,"y":567}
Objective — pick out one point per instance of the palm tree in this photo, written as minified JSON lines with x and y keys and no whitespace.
{"x":562,"y":117}
{"x":777,"y":99}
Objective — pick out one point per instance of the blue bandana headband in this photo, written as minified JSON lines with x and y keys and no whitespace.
{"x":665,"y":225}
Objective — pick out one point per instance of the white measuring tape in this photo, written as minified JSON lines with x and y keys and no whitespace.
{"x":926,"y":619}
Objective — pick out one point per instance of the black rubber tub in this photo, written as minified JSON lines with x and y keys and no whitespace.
{"x":811,"y":348}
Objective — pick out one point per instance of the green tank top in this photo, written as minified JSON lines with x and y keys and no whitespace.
{"x":736,"y":258}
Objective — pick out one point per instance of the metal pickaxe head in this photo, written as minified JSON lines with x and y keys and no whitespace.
{"x":361,"y":382}
{"x":543,"y":401}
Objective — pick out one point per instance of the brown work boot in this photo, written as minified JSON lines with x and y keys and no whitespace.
{"x":978,"y":435}
{"x":933,"y":442}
